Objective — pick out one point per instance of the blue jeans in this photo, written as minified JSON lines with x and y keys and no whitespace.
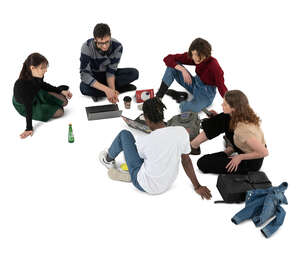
{"x":203,"y":95}
{"x":126,"y":142}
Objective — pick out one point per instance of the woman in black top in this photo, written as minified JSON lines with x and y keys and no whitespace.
{"x":36,"y":99}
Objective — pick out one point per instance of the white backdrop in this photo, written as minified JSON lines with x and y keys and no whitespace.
{"x":55,"y":197}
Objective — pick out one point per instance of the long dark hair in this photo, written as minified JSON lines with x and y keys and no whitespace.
{"x":242,"y":110}
{"x":34,"y":59}
{"x":154,"y":110}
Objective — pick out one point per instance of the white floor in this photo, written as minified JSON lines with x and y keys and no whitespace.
{"x":56,"y":198}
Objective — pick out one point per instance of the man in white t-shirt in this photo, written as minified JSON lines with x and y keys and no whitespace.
{"x":153,"y":161}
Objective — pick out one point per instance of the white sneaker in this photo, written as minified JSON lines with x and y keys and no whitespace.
{"x":108,"y":165}
{"x":115,"y":174}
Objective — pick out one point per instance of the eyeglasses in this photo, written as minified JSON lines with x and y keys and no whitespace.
{"x":102,"y":43}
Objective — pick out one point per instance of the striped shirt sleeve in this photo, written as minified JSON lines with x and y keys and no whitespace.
{"x":86,"y":74}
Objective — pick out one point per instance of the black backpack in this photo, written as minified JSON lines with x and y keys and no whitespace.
{"x":233,"y":187}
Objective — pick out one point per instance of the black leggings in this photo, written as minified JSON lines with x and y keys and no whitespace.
{"x":216,"y":163}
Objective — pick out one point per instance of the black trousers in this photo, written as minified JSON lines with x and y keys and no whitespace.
{"x":216,"y":163}
{"x":123,"y":77}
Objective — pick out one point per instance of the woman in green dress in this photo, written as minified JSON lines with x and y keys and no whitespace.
{"x":35,"y":99}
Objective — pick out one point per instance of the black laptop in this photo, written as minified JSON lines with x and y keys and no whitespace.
{"x":103,"y":111}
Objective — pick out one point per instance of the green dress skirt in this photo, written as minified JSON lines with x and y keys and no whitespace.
{"x":44,"y":106}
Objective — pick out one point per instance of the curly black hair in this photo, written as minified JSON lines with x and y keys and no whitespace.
{"x":154,"y":110}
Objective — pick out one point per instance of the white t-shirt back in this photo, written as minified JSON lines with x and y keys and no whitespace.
{"x":161,"y":151}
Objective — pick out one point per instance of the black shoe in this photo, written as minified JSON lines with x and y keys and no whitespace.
{"x":178,"y":96}
{"x":162,"y":90}
{"x":95,"y":99}
{"x":126,"y":88}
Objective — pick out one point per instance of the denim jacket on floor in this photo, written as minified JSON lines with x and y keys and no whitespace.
{"x":263,"y":204}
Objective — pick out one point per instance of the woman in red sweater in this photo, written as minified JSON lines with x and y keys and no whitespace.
{"x":209,"y":76}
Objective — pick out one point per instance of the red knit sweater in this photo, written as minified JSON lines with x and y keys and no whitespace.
{"x":208,"y":70}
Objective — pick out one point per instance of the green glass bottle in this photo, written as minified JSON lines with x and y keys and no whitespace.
{"x":70,"y":135}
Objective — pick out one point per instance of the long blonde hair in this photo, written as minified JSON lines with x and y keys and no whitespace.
{"x":242,"y":110}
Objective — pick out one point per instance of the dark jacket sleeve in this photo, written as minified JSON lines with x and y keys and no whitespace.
{"x":173,"y":59}
{"x":28,"y":108}
{"x":27,"y":100}
{"x":86,"y":73}
{"x":24,"y":93}
{"x":49,"y":88}
{"x":219,"y":79}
